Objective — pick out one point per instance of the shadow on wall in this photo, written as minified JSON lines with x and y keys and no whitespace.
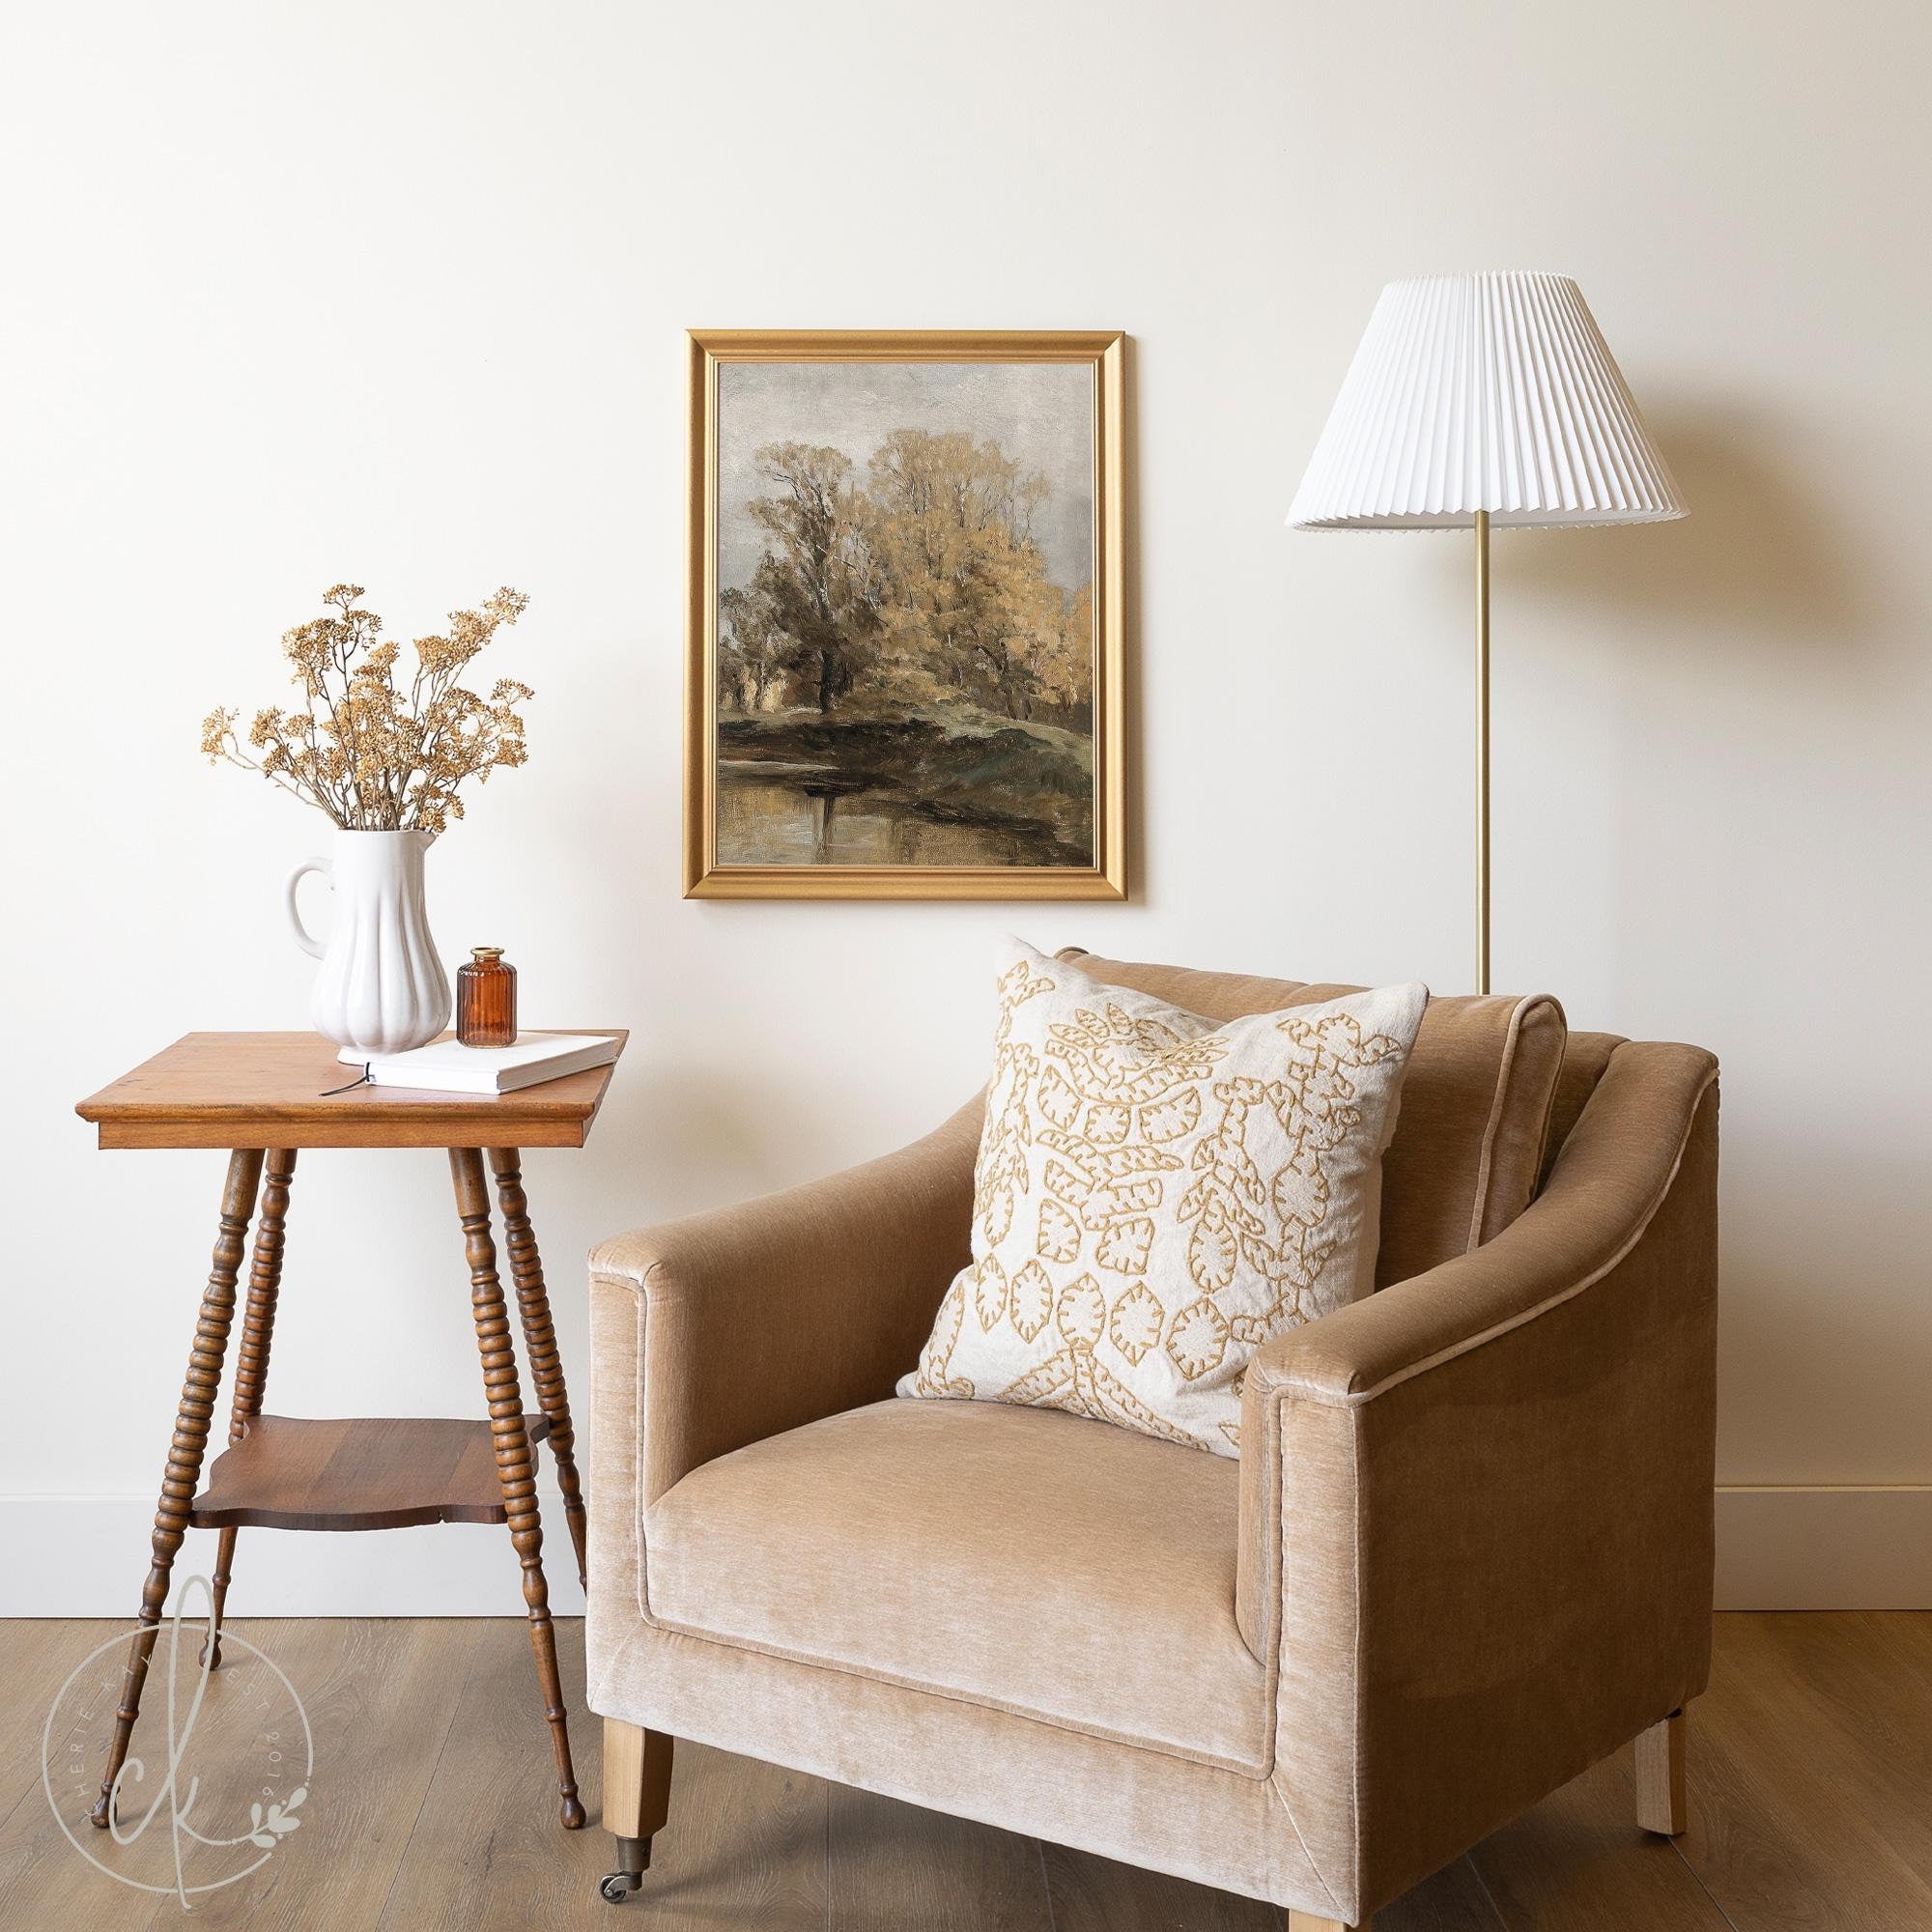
{"x":1777,"y":1336}
{"x":1761,"y":560}
{"x":697,"y":1137}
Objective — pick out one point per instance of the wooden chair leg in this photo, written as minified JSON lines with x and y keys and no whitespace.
{"x":251,"y":1357}
{"x":1311,"y":1922}
{"x":199,"y":1387}
{"x":1661,"y":1803}
{"x":540,"y":1340}
{"x":514,"y":1470}
{"x":637,"y":1800}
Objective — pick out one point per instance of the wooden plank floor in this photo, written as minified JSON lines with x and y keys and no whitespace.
{"x":1810,"y":1760}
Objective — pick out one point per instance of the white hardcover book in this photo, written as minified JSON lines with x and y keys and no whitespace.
{"x":449,"y":1067}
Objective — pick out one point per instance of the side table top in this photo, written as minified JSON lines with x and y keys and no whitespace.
{"x":263,"y":1090}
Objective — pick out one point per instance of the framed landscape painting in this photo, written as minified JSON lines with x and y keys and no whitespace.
{"x":906,"y":624}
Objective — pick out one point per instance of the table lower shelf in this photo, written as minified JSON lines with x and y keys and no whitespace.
{"x":370,"y":1472}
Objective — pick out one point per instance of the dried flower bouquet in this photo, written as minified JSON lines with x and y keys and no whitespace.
{"x":371,"y":756}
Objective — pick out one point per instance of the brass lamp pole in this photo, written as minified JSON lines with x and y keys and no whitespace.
{"x":1475,"y":398}
{"x":1481,"y":750}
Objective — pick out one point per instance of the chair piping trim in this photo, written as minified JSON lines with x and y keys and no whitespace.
{"x":1209,"y":1760}
{"x":1293,"y":1386}
{"x":1506,"y":1072}
{"x":1499,"y":1100}
{"x":1355,"y":1751}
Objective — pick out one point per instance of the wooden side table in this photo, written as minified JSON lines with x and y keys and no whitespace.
{"x":260,"y":1095}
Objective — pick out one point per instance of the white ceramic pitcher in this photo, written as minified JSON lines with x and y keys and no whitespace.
{"x":381,"y":988}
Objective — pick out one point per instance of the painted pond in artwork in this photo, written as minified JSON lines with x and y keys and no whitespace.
{"x":905,"y":615}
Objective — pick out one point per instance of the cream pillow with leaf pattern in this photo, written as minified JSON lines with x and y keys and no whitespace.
{"x":1156,"y":1196}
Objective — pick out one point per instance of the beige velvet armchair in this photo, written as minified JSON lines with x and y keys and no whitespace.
{"x":1465,"y":1552}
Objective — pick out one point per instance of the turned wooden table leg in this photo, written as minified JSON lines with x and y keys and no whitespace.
{"x":251,"y":1354}
{"x":514,"y":1469}
{"x":540,"y":1339}
{"x":203,"y":1383}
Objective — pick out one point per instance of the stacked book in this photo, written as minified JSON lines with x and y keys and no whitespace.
{"x":449,"y":1067}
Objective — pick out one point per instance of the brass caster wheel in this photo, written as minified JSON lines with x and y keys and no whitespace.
{"x":634,"y":1860}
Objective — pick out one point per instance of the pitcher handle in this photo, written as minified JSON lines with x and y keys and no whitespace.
{"x":305,"y":939}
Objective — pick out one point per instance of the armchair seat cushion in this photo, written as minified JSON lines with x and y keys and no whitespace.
{"x":1024,"y":1559}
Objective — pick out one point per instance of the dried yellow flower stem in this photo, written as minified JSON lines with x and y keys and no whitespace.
{"x":372,"y":759}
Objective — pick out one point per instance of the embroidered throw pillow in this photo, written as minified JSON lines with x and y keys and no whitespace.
{"x":1156,"y":1196}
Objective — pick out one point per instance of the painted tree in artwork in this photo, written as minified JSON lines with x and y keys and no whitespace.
{"x":810,"y":583}
{"x":1066,"y":673}
{"x":924,"y":586}
{"x":754,"y":650}
{"x":965,"y":601}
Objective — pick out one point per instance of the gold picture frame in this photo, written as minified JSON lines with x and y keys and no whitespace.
{"x":712,"y":873}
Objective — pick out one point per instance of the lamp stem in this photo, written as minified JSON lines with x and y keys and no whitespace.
{"x":1481,"y":750}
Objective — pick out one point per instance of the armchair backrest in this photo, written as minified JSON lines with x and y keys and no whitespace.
{"x":1487,"y":1079}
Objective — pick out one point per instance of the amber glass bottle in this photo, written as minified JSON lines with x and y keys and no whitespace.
{"x":486,"y":998}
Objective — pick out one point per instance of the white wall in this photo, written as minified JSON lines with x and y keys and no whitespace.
{"x":398,"y":293}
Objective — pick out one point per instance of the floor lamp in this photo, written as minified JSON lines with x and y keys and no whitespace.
{"x":1476,"y":401}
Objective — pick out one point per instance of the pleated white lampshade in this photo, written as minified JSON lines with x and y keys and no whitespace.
{"x":1482,"y":392}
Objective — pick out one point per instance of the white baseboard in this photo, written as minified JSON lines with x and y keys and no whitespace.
{"x":1851,"y":1547}
{"x":1848,"y":1549}
{"x":87,"y":1556}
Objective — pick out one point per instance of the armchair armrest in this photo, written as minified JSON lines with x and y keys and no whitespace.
{"x":759,"y":1318}
{"x":1476,"y":1508}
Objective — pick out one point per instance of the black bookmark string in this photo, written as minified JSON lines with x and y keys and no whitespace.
{"x":329,"y":1092}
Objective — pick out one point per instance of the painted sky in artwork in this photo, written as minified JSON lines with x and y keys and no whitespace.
{"x":1039,"y":413}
